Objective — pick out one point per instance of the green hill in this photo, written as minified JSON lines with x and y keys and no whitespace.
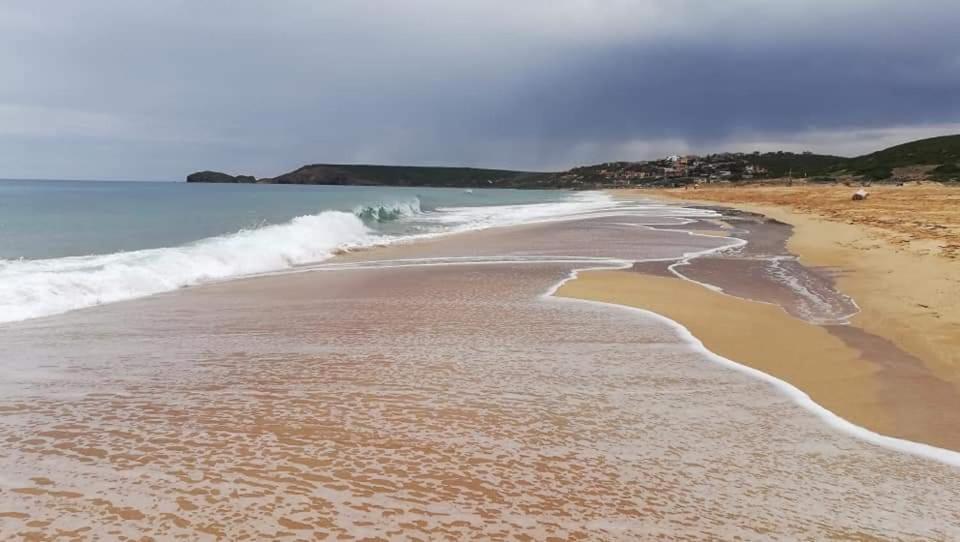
{"x":939,"y":155}
{"x":943,"y":152}
{"x":371,"y":175}
{"x":399,"y":175}
{"x":782,"y":164}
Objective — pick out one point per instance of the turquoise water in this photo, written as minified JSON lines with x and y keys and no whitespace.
{"x":67,"y":245}
{"x":50,"y":219}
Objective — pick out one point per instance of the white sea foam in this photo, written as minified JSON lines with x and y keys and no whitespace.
{"x":469,"y":218}
{"x":36,"y":288}
{"x":814,"y":306}
{"x":387,"y":211}
{"x":942,"y":455}
{"x":33,"y":288}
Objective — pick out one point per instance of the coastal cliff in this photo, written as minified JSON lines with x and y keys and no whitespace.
{"x":934,"y":159}
{"x":218,"y":177}
{"x":373,"y":175}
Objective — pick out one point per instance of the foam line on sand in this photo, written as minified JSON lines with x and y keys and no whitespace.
{"x":800,"y":398}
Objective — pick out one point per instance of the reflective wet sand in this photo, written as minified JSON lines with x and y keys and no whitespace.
{"x":441,"y":401}
{"x":912,"y":401}
{"x":763,"y":269}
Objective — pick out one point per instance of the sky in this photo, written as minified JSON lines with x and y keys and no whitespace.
{"x":156,"y":89}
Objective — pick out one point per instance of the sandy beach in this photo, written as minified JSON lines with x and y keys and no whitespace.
{"x":895,"y":367}
{"x":436,"y":390}
{"x":895,"y":253}
{"x":537,"y":271}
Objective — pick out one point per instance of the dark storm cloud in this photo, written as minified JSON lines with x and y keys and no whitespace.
{"x":156,"y":89}
{"x":707,"y":93}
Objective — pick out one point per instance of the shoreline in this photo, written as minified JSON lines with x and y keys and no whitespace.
{"x":876,"y":378}
{"x":426,"y":389}
{"x":582,"y":286}
{"x":906,"y":288}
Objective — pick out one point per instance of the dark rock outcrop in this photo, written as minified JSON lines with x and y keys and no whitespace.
{"x":216,"y":177}
{"x":320,"y":174}
{"x":370,"y":175}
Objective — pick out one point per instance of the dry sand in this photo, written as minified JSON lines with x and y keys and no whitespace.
{"x":757,"y":334}
{"x":922,"y":218}
{"x":888,"y":255}
{"x":896,"y":253}
{"x":862,"y":388}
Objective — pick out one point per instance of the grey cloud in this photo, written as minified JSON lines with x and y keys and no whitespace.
{"x":122,"y":89}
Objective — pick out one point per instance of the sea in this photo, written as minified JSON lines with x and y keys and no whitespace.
{"x":249,"y":362}
{"x":68,"y":245}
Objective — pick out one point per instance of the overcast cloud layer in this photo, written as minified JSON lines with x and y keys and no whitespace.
{"x":125,"y":89}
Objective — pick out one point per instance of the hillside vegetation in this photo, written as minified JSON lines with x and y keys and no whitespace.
{"x":943,"y":152}
{"x":397,"y":175}
{"x":370,"y":175}
{"x":935,"y":158}
{"x":783,"y":164}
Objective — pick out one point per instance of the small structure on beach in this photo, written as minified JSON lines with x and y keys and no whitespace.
{"x":860,"y":195}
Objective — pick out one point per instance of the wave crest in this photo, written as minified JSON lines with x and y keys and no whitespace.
{"x":386,"y":212}
{"x":34,"y":288}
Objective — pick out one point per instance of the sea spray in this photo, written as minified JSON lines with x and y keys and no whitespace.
{"x":386,"y":212}
{"x":43,"y":287}
{"x":33,"y":288}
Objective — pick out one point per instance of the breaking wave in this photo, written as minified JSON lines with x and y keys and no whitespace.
{"x":33,"y":288}
{"x":36,"y":288}
{"x":386,"y":212}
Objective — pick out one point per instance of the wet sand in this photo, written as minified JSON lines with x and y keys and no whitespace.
{"x":858,"y":376}
{"x":896,"y":254}
{"x":442,"y":396}
{"x":910,"y":392}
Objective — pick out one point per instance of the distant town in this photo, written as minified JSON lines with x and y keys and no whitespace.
{"x":933,"y":159}
{"x":675,"y":169}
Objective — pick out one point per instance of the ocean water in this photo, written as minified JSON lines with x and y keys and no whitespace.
{"x":67,"y":245}
{"x":436,"y":390}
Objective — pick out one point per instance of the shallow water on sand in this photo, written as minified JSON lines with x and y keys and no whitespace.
{"x":446,"y":398}
{"x":762,"y":269}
